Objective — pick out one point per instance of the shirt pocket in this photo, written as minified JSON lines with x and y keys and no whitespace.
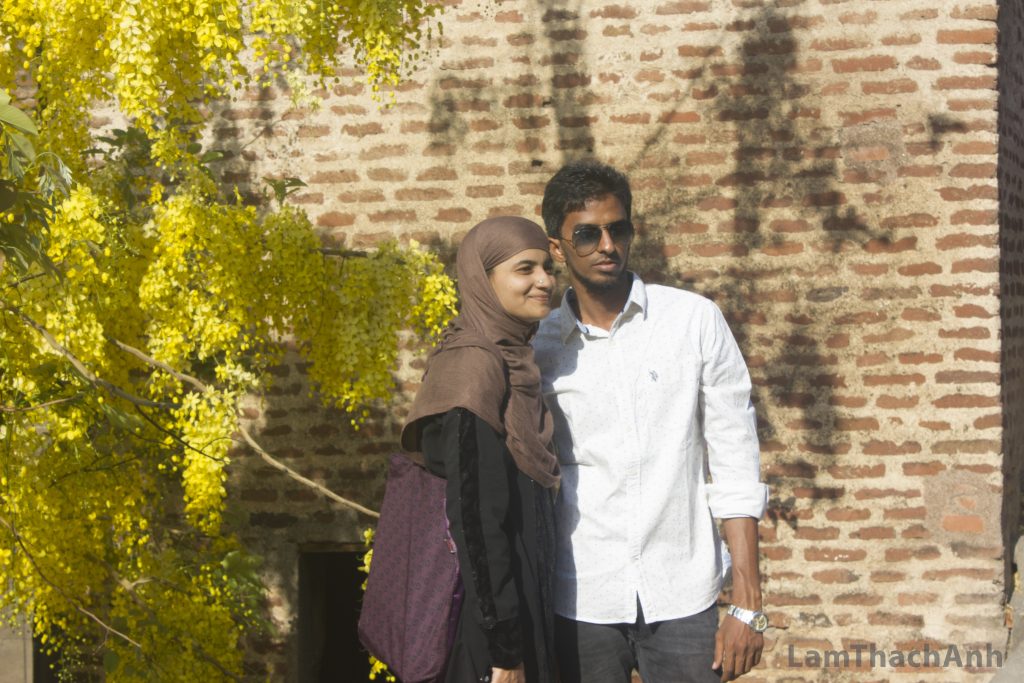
{"x":667,"y":391}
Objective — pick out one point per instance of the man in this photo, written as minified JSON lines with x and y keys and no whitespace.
{"x":651,"y":397}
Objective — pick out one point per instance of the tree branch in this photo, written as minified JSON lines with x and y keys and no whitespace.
{"x":80,"y":367}
{"x":247,"y":436}
{"x":47,"y":404}
{"x":77,"y":605}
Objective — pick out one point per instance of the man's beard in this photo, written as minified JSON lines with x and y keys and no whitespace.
{"x":597,"y":286}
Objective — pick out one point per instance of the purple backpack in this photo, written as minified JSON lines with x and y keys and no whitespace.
{"x":413,"y":594}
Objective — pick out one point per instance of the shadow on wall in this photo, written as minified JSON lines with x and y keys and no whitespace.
{"x":768,"y":240}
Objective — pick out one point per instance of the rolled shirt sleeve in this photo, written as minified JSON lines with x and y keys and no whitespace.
{"x":729,"y":425}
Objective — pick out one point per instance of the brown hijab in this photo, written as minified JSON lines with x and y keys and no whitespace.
{"x":485,"y":356}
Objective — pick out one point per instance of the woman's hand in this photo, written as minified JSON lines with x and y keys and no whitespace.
{"x":516,"y":675}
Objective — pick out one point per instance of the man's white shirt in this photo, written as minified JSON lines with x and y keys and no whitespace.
{"x":643,"y":412}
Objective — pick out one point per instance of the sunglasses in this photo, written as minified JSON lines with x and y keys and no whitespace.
{"x":587,"y":237}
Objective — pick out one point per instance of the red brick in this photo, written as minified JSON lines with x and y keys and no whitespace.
{"x":902,"y":39}
{"x":699,"y":51}
{"x":835,"y":576}
{"x":438,"y":173}
{"x":614,"y":12}
{"x":335,"y":219}
{"x":856,"y":118}
{"x":857,"y":64}
{"x":682,"y":7}
{"x":834,"y":555}
{"x":966,"y":401}
{"x":334,"y":177}
{"x":421,"y":194}
{"x":817,"y":534}
{"x":989,"y":422}
{"x":920,"y":171}
{"x":924,"y":64}
{"x":393,"y":216}
{"x":973,"y":171}
{"x":978,"y":36}
{"x":875,"y":447}
{"x":923,"y":469}
{"x":981,"y":11}
{"x":893,"y":87}
{"x":963,"y":524}
{"x":858,"y":598}
{"x":896,"y":402}
{"x":779,"y":599}
{"x":838,"y":44}
{"x":907,"y":513}
{"x":872,"y":533}
{"x":983,"y":57}
{"x":976,"y":265}
{"x":973,"y":446}
{"x":392,"y":175}
{"x":858,"y":18}
{"x":966,"y":83}
{"x":570,"y":80}
{"x":454,"y":215}
{"x":966,"y":377}
{"x":363,"y":129}
{"x":361,"y":196}
{"x":917,"y":269}
{"x":308,"y":131}
{"x":894,"y":379}
{"x":976,"y":355}
{"x":679,"y":117}
{"x":840,"y":514}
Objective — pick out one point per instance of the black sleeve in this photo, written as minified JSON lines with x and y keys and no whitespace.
{"x":472,"y":457}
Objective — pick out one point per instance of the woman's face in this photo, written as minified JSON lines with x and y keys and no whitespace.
{"x":524,"y":284}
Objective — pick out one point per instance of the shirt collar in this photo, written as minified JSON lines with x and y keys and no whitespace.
{"x":637,"y":300}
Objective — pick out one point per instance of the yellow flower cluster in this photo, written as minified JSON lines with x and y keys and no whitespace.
{"x":161,"y":61}
{"x":201,"y":287}
{"x":156,"y":303}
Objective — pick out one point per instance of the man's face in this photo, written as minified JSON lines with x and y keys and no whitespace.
{"x":605,"y":266}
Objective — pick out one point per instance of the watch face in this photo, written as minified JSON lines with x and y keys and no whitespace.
{"x":760,"y":622}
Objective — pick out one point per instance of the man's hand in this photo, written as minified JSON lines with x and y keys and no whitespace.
{"x":737,"y":648}
{"x":516,"y":675}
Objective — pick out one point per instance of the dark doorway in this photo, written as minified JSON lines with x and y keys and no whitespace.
{"x":329,"y":597}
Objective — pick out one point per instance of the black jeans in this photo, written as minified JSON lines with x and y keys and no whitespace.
{"x":674,"y":651}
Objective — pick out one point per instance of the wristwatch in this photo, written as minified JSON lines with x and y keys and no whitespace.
{"x":755,"y":620}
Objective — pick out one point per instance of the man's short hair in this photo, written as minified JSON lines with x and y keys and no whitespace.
{"x":577,"y":183}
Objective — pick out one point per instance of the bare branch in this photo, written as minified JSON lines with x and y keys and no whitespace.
{"x":159,"y":364}
{"x":80,"y":367}
{"x":71,"y":599}
{"x":281,"y":467}
{"x":47,"y":404}
{"x":267,"y":457}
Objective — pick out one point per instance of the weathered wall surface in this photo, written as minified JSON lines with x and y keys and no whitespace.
{"x":826,"y":170}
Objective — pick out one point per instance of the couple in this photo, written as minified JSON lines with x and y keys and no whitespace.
{"x":601,"y":511}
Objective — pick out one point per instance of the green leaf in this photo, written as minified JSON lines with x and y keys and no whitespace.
{"x":110,"y":661}
{"x":15,"y":118}
{"x":23,"y":144}
{"x":5,"y":97}
{"x":122,"y":420}
{"x":8,"y":195}
{"x":283,"y":187}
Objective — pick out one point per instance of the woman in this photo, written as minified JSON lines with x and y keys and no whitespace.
{"x":480,"y":422}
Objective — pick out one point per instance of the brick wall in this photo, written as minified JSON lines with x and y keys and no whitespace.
{"x":826,"y":170}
